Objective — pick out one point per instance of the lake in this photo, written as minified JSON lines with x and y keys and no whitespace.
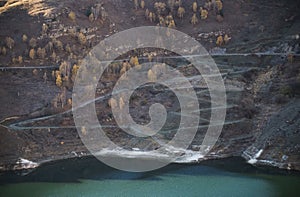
{"x":89,"y":177}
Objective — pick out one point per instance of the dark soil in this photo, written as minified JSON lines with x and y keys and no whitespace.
{"x":269,"y":92}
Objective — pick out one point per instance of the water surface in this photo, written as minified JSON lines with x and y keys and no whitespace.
{"x":88,"y":177}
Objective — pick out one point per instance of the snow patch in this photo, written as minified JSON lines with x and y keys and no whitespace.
{"x":254,"y":159}
{"x":25,"y":164}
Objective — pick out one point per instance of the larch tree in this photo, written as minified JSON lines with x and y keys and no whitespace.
{"x":72,"y":16}
{"x":32,"y":42}
{"x":58,"y":81}
{"x":180,"y":12}
{"x":24,"y":38}
{"x":151,"y":76}
{"x":226,"y":38}
{"x":194,"y":20}
{"x":112,"y":103}
{"x":136,"y":4}
{"x":41,"y":53}
{"x":195,"y":6}
{"x":32,"y":54}
{"x":142,"y":4}
{"x":204,"y":13}
{"x":9,"y":42}
{"x":219,"y":41}
{"x":82,"y":38}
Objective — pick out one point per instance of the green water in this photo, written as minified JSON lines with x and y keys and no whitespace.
{"x":88,"y":177}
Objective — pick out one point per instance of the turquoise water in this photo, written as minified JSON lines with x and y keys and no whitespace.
{"x":88,"y":177}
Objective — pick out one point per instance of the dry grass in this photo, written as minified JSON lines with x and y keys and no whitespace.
{"x":34,"y":7}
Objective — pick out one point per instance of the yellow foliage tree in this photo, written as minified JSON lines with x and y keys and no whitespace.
{"x":82,"y":39}
{"x":4,"y":51}
{"x":41,"y":53}
{"x":194,"y":20}
{"x":24,"y":38}
{"x":219,"y":5}
{"x":74,"y":72}
{"x":91,"y":17}
{"x":58,"y":81}
{"x":226,"y":38}
{"x":142,"y":4}
{"x":151,"y":76}
{"x":32,"y":54}
{"x":204,"y":14}
{"x":35,"y":72}
{"x":136,"y":4}
{"x":172,"y":24}
{"x":72,"y":16}
{"x":195,"y":6}
{"x":20,"y":59}
{"x":219,"y":41}
{"x":9,"y":42}
{"x":32,"y":42}
{"x":180,"y":12}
